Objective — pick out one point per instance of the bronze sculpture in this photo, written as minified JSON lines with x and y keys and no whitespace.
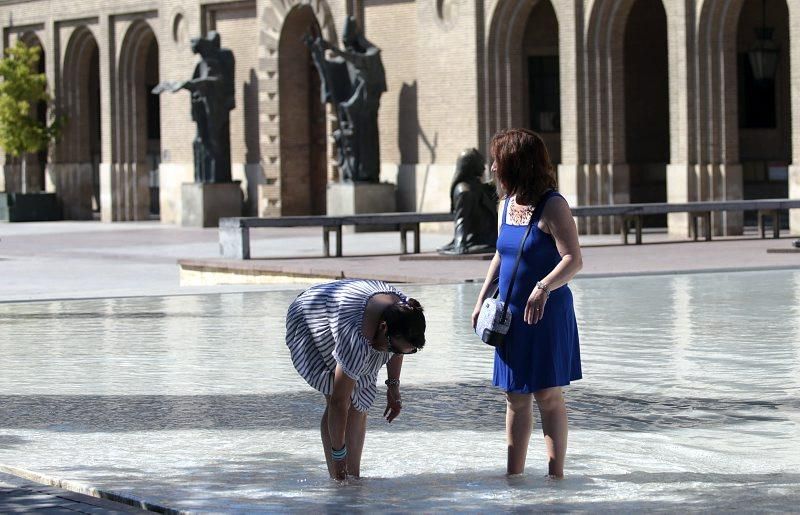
{"x":353,"y":81}
{"x":213,"y":97}
{"x":474,"y":207}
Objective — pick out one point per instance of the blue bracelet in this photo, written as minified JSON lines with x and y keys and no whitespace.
{"x":340,"y":454}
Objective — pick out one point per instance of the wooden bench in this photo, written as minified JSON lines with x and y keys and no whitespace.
{"x":234,"y":233}
{"x":632,"y":214}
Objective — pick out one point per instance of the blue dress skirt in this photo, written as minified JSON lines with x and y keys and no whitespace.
{"x":547,"y":354}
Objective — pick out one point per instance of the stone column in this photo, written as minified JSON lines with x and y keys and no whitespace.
{"x":794,"y":169}
{"x":682,"y":179}
{"x":107,"y":49}
{"x":2,"y":152}
{"x":570,"y":51}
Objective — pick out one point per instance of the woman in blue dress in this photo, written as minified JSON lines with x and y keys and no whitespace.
{"x":541,"y":352}
{"x":340,"y":335}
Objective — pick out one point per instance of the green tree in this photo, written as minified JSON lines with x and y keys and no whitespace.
{"x":21,"y":90}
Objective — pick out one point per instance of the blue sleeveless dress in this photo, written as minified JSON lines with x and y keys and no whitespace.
{"x":547,"y":354}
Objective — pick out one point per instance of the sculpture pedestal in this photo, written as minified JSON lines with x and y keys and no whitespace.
{"x":29,"y":207}
{"x":204,"y":204}
{"x":355,"y":198}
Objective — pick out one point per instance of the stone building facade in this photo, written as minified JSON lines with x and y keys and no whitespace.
{"x":638,"y":100}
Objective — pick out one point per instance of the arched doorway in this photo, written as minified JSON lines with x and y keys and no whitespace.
{"x":541,"y":76}
{"x":131,"y":191}
{"x":764,"y":110}
{"x":76,"y":174}
{"x":647,"y":104}
{"x":303,"y":174}
{"x":626,"y":91}
{"x":522,"y":87}
{"x":743,"y":122}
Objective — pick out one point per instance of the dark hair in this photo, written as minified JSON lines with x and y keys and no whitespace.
{"x":406,"y":320}
{"x":523,"y":165}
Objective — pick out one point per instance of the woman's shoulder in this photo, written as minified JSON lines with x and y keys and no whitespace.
{"x":553,"y":197}
{"x":556,"y":206}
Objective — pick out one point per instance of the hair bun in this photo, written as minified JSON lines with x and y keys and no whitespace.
{"x":414,"y":303}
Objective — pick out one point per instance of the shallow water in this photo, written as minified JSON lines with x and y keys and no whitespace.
{"x":690,"y":400}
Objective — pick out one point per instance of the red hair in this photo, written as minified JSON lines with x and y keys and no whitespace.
{"x":523,"y":165}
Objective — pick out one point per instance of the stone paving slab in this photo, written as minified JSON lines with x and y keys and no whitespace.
{"x":20,"y":495}
{"x":64,"y":260}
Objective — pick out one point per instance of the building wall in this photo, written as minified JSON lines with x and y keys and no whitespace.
{"x":454,"y":74}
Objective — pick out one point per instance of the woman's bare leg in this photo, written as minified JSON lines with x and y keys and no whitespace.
{"x":519,"y":420}
{"x":356,"y":431}
{"x":354,"y":439}
{"x":554,"y":426}
{"x":326,"y":438}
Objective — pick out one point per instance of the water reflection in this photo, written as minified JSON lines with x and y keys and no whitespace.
{"x":691,"y":381}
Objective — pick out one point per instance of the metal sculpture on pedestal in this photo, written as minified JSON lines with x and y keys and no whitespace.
{"x":474,"y":207}
{"x":213,"y":97}
{"x":353,"y":81}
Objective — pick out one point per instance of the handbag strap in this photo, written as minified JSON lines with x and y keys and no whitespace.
{"x":516,"y":266}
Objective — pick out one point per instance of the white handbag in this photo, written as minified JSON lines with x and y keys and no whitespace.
{"x":494,"y":319}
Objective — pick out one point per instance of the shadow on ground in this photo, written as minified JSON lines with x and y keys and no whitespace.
{"x":433,"y":407}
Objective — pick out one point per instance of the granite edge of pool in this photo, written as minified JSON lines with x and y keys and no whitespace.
{"x":85,"y":489}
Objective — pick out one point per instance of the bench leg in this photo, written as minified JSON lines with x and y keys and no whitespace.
{"x":326,"y":241}
{"x":638,"y":230}
{"x":761,"y":224}
{"x":403,"y":239}
{"x":776,"y":225}
{"x":416,"y":238}
{"x":234,"y":242}
{"x":707,"y":218}
{"x":694,"y":225}
{"x":338,"y":241}
{"x":627,"y":221}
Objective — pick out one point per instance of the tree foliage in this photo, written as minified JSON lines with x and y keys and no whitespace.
{"x":21,"y":90}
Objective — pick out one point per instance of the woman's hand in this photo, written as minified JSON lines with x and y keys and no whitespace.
{"x":393,"y":403}
{"x":476,"y":313}
{"x":534,"y":308}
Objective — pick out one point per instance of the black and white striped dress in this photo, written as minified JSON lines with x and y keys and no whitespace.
{"x":324,"y":327}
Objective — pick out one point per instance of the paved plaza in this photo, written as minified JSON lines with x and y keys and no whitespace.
{"x":120,"y":382}
{"x":62,"y":260}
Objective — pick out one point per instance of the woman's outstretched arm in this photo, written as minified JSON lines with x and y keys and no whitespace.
{"x":491,"y":275}
{"x":557,"y":219}
{"x":393,"y":400}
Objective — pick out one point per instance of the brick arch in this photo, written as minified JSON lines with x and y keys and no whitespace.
{"x":35,"y":162}
{"x":604,"y":51}
{"x":301,"y":118}
{"x":75,"y":98}
{"x":129,"y":183}
{"x":607,"y":176}
{"x":503,"y":66}
{"x":272,"y":20}
{"x":716,"y":119}
{"x":717,"y":113}
{"x":75,"y":171}
{"x":30,"y":38}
